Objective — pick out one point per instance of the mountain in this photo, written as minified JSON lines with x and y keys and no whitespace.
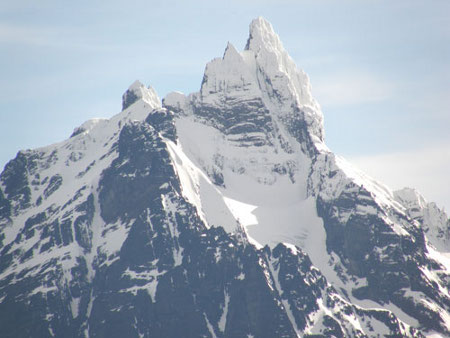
{"x":218,"y":214}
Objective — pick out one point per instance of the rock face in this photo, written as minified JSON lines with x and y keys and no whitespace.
{"x":218,"y":214}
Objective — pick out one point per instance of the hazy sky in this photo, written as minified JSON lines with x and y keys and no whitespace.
{"x":380,"y":70}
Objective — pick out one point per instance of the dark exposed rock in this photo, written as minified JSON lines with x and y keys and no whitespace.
{"x":371,"y":249}
{"x":250,"y":120}
{"x":15,"y":180}
{"x":53,"y":185}
{"x":5,"y":206}
{"x":163,"y":122}
{"x":128,"y":99}
{"x":135,"y":177}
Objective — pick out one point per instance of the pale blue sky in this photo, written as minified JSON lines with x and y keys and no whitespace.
{"x":380,"y":70}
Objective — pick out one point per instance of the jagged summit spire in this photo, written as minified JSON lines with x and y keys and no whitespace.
{"x":136,"y":85}
{"x":263,"y":74}
{"x":262,"y":35}
{"x":231,"y":52}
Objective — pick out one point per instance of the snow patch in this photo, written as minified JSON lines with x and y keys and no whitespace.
{"x":223,"y":317}
{"x":75,"y":306}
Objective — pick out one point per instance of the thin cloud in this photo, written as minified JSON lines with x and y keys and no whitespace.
{"x":425,"y":169}
{"x":351,"y":88}
{"x":25,"y":35}
{"x":59,"y":38}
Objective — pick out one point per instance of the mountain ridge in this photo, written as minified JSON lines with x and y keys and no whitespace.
{"x":124,"y":210}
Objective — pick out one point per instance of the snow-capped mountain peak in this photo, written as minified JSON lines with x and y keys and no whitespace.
{"x":410,"y":198}
{"x":433,"y":220}
{"x":219,"y":214}
{"x":263,"y":37}
{"x":290,"y":85}
{"x":231,"y":52}
{"x":259,"y":91}
{"x":138,"y":91}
